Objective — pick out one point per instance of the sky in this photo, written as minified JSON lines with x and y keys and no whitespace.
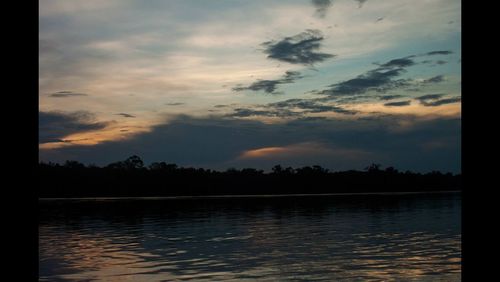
{"x":232,"y":84}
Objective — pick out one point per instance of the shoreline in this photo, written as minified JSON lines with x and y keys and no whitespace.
{"x":248,"y":196}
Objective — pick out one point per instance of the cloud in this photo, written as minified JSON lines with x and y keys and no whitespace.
{"x":435,"y":79}
{"x":126,"y":115}
{"x":321,"y":7}
{"x":174,"y":104}
{"x":397,"y":104}
{"x":298,"y":49}
{"x":389,"y":97}
{"x":433,"y":100}
{"x":440,"y":102}
{"x":66,"y":94}
{"x":269,"y":86}
{"x":303,"y":150}
{"x":429,"y":97}
{"x":54,"y":126}
{"x":380,"y":79}
{"x":245,"y":112}
{"x":204,"y":142}
{"x":439,"y":53}
{"x":309,"y":106}
{"x":291,"y":108}
{"x":399,"y":63}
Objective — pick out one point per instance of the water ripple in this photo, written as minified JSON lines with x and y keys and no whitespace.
{"x":412,"y":238}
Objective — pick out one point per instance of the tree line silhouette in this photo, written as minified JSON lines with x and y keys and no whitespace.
{"x":131,"y":178}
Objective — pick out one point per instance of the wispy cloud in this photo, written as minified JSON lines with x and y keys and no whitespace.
{"x":321,"y":7}
{"x":66,"y":94}
{"x":126,"y":115}
{"x":309,"y":106}
{"x":269,"y":86}
{"x":435,"y":79}
{"x":439,"y":102}
{"x":439,"y":53}
{"x":380,"y":79}
{"x":397,"y":104}
{"x":429,"y":97}
{"x":390,"y":97}
{"x":291,"y":108}
{"x":248,"y":112}
{"x":398,"y":63}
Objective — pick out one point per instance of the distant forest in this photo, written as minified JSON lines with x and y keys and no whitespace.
{"x":131,"y":178}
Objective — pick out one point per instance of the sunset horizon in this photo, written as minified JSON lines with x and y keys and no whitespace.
{"x":235,"y":84}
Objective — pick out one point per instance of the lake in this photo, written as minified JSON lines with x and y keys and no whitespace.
{"x":383,"y":237}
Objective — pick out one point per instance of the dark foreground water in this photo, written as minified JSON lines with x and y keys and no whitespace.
{"x":330,"y":238}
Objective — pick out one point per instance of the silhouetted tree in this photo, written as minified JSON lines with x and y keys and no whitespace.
{"x":134,"y":162}
{"x":131,"y":178}
{"x":277,"y":169}
{"x":73,"y":164}
{"x":373,"y":168}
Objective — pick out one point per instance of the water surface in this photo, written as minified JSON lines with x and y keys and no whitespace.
{"x":409,"y":237}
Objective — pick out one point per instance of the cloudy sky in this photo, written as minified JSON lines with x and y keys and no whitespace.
{"x":229,"y":83}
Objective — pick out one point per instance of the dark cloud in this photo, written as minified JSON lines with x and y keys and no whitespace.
{"x":174,"y":104}
{"x":269,"y":86}
{"x":429,"y":97}
{"x":432,"y":100}
{"x":381,"y":79}
{"x":413,"y":89}
{"x":190,"y":145}
{"x":54,"y":126}
{"x":441,"y":62}
{"x":244,"y":112}
{"x":309,"y":106}
{"x":298,"y":49}
{"x":397,"y":104}
{"x":398,"y":63}
{"x":435,"y":79}
{"x":291,"y":108}
{"x":126,"y":115}
{"x":321,"y":7}
{"x":66,"y":94}
{"x":440,"y":102}
{"x":389,"y":97}
{"x":439,"y":53}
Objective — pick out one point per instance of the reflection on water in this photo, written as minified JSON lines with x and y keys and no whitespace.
{"x":360,"y":238}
